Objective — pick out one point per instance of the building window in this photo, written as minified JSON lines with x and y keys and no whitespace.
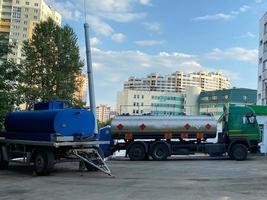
{"x":133,"y":111}
{"x":26,"y":16}
{"x":24,"y":28}
{"x":214,"y":97}
{"x":26,"y":9}
{"x":260,"y":60}
{"x":35,"y":17}
{"x":142,"y":96}
{"x":36,"y":10}
{"x":134,"y":96}
{"x":265,"y":28}
{"x":259,"y":96}
{"x":137,"y":96}
{"x":25,"y":22}
{"x":17,"y":2}
{"x":24,"y":35}
{"x":133,"y":103}
{"x":259,"y":78}
{"x":142,"y":104}
{"x":27,"y":3}
{"x":264,"y":66}
{"x":36,"y":4}
{"x":265,"y":46}
{"x":261,"y":42}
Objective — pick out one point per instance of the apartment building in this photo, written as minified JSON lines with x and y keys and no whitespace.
{"x":136,"y":102}
{"x":262,"y":65}
{"x":178,"y":81}
{"x":18,"y":19}
{"x":103,"y":112}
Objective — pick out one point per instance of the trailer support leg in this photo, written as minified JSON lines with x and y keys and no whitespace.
{"x":90,"y":156}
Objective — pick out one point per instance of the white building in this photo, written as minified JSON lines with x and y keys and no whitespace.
{"x":136,"y":102}
{"x":262,"y":66}
{"x":18,"y":19}
{"x":178,"y":81}
{"x":103,"y":112}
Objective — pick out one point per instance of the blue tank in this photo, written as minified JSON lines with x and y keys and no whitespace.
{"x":40,"y":123}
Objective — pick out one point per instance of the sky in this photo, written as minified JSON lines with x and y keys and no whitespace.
{"x":137,"y":37}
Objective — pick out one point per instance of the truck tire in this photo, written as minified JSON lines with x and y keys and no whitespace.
{"x":160,"y":151}
{"x":90,"y":167}
{"x":238,"y":152}
{"x":137,"y":152}
{"x":3,"y":163}
{"x":44,"y":162}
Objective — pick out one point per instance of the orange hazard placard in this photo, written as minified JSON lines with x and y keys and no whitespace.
{"x":168,"y":136}
{"x":200,"y":136}
{"x":128,"y":136}
{"x":184,"y":135}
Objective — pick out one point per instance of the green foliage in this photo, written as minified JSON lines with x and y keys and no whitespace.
{"x":103,"y":124}
{"x":51,"y":65}
{"x":9,"y":75}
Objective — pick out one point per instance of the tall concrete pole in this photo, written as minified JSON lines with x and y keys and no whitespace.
{"x":91,"y":88}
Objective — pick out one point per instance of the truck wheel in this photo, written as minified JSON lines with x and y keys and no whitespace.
{"x":238,"y":152}
{"x":3,"y":163}
{"x":137,"y":152}
{"x":90,"y":167}
{"x":159,"y":151}
{"x":44,"y":162}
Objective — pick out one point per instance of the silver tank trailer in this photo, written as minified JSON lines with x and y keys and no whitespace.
{"x":159,"y":125}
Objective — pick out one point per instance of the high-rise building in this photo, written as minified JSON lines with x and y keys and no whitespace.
{"x":103,"y":112}
{"x":134,"y":102}
{"x":18,"y":19}
{"x":81,"y":93}
{"x":262,"y":66}
{"x":178,"y":81}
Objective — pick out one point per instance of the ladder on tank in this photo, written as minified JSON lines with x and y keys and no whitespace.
{"x":91,"y":159}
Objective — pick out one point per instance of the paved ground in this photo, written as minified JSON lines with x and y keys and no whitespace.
{"x":179,"y":178}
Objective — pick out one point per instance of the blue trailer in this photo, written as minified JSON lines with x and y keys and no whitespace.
{"x":51,"y":132}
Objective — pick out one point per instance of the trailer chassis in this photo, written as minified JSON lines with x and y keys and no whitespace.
{"x":45,"y":154}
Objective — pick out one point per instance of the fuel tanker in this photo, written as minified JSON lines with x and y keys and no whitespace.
{"x":158,"y":137}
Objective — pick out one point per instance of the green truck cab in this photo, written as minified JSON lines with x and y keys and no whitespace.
{"x":241,"y":131}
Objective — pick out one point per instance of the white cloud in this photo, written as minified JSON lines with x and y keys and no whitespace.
{"x":152,"y":26}
{"x":223,"y":16}
{"x":118,"y":37}
{"x":235,"y":53}
{"x":248,"y":35}
{"x":99,"y":12}
{"x":148,"y":42}
{"x":145,"y":2}
{"x":244,"y":8}
{"x":218,"y":16}
{"x":94,"y":41}
{"x":99,"y":26}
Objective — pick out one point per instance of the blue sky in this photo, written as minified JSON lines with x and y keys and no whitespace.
{"x":136,"y":37}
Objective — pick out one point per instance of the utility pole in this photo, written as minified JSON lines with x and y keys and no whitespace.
{"x":91,"y":88}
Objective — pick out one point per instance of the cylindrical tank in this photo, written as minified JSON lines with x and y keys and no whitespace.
{"x":159,"y":125}
{"x":66,"y":122}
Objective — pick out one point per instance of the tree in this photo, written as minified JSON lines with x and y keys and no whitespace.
{"x":9,"y":75}
{"x":51,"y":63}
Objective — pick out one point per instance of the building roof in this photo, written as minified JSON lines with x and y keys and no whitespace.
{"x":234,"y":95}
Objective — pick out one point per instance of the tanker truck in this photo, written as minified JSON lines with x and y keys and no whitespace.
{"x":49,"y":133}
{"x":159,"y":137}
